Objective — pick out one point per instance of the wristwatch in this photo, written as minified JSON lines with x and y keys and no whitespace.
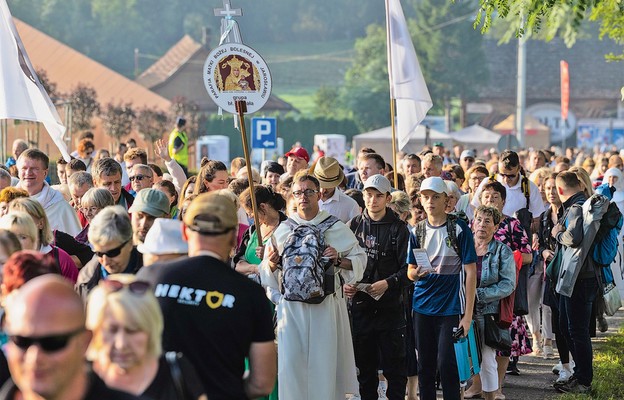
{"x":338,"y":261}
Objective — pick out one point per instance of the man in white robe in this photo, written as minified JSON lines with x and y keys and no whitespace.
{"x":32,"y":167}
{"x":315,"y":350}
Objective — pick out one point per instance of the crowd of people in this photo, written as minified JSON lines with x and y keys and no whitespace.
{"x":125,"y":277}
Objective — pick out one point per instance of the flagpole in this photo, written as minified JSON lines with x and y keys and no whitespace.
{"x":394,"y":143}
{"x":392,"y":100}
{"x":241,"y":109}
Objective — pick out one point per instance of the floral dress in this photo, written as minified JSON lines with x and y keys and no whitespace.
{"x":511,"y":232}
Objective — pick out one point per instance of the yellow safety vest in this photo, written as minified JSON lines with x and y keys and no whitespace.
{"x":181,"y":156}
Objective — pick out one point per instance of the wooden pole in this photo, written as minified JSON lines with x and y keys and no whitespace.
{"x":241,"y":109}
{"x":394,"y":144}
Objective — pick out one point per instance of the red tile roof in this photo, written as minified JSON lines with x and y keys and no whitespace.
{"x":67,"y":68}
{"x":169,"y":63}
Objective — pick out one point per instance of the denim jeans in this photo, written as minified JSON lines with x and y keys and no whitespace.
{"x":434,"y":343}
{"x":574,"y":320}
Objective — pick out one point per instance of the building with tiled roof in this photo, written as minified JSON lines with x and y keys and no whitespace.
{"x":67,"y":68}
{"x":179,"y":72}
{"x":594,"y":83}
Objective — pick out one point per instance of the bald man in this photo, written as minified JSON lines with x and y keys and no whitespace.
{"x":45,"y":321}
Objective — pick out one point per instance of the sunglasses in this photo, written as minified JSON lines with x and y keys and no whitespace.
{"x":508,"y":176}
{"x":49,"y":344}
{"x":112,"y":252}
{"x":138,"y":178}
{"x":136,"y":287}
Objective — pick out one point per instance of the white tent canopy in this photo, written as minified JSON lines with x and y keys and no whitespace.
{"x":381,"y":141}
{"x":475,"y":134}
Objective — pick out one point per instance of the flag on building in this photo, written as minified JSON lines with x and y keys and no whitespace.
{"x":407,"y":84}
{"x":21,"y":94}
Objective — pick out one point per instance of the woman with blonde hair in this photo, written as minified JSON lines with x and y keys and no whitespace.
{"x":93,"y":201}
{"x":45,"y":239}
{"x":401,"y":205}
{"x":585,"y":179}
{"x":67,"y":251}
{"x":127,"y":325}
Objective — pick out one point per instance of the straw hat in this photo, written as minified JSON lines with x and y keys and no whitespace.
{"x":329,"y":172}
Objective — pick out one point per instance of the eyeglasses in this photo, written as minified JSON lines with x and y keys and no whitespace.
{"x":136,"y":287}
{"x":306,"y":193}
{"x":112,"y":252}
{"x":138,"y":177}
{"x":49,"y":344}
{"x":508,"y":176}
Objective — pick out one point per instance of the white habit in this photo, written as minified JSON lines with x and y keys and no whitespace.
{"x":315,"y":349}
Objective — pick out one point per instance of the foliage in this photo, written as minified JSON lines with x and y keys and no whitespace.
{"x":110,"y":30}
{"x":118,"y":120}
{"x":181,"y":106}
{"x":444,"y":39}
{"x":49,"y":86}
{"x":450,"y":54}
{"x":553,"y":18}
{"x":608,"y":382}
{"x":85,"y":106}
{"x":151,"y":124}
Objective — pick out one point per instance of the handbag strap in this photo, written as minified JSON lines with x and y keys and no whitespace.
{"x":176,"y":373}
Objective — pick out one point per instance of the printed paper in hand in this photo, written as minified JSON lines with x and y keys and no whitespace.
{"x":422,"y":260}
{"x":364,"y":287}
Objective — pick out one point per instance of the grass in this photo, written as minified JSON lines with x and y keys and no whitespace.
{"x":298,"y":70}
{"x":608,"y":383}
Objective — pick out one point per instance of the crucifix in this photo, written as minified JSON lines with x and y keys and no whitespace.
{"x":227,"y":11}
{"x":228,"y":24}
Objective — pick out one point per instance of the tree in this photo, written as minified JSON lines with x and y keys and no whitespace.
{"x":83,"y":100}
{"x":151,"y":124}
{"x":118,"y":120}
{"x":181,"y":106}
{"x":48,"y":85}
{"x":563,"y":18}
{"x":449,"y":50}
{"x":450,"y":55}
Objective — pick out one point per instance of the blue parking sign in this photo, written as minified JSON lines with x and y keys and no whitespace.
{"x":263,"y":133}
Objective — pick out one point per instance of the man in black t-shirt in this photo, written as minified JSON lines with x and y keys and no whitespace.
{"x":214,"y":315}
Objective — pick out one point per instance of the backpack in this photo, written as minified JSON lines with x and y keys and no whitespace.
{"x":304,"y":269}
{"x":451,"y":228}
{"x":606,"y":240}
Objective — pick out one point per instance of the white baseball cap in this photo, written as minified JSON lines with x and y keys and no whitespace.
{"x":378,"y":182}
{"x":435,"y":183}
{"x":164,"y":237}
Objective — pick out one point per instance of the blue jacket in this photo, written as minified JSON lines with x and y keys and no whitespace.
{"x":498,"y":277}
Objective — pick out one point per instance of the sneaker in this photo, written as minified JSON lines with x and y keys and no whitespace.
{"x":381,"y":390}
{"x":603,"y":325}
{"x":548,"y":352}
{"x":564,"y":376}
{"x":557,"y":368}
{"x":512,"y":369}
{"x":573,"y":386}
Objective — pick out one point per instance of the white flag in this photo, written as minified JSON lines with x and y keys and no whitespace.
{"x":21,"y":94}
{"x":407,"y":84}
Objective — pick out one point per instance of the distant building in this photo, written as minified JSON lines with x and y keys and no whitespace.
{"x":594,"y":83}
{"x":178,"y":73}
{"x":67,"y":68}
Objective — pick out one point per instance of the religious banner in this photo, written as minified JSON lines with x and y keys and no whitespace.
{"x":234,"y":71}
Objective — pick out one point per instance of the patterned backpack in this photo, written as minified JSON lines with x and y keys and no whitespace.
{"x":304,"y":268}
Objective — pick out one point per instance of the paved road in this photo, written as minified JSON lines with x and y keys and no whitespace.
{"x":536,"y":378}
